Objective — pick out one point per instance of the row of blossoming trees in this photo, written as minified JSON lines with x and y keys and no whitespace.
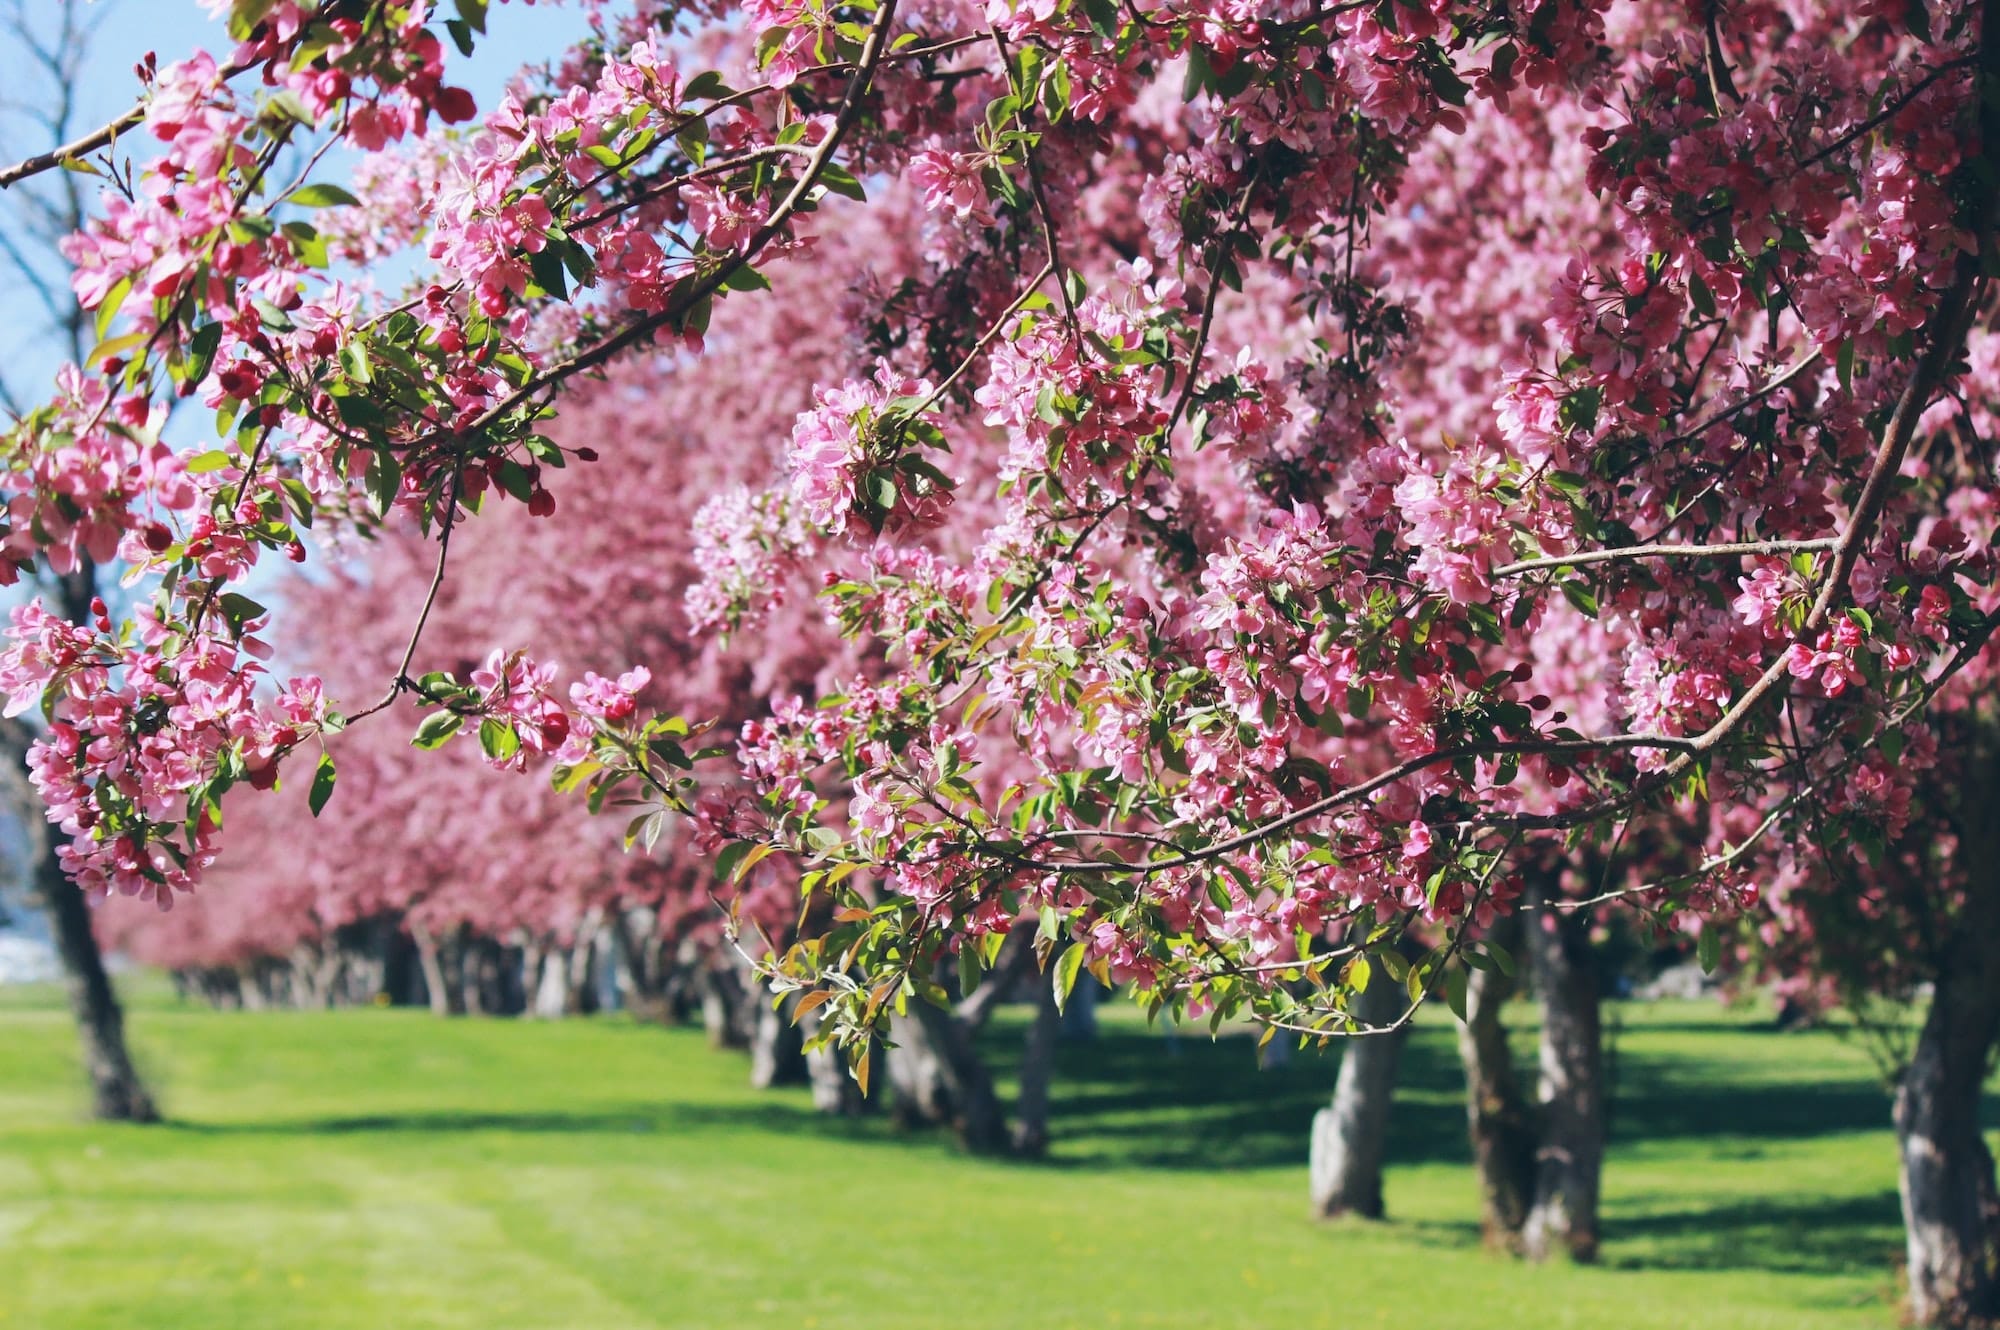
{"x":1322,"y":477}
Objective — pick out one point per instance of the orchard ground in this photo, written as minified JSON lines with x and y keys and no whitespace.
{"x":374,"y":1168}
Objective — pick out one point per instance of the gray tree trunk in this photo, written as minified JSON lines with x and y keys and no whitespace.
{"x":938,"y":1077}
{"x":439,"y":959}
{"x":725,"y":1013}
{"x":1951,"y":1212}
{"x":1038,"y":1069}
{"x":550,"y":977}
{"x":116,"y":1092}
{"x":777,"y":1048}
{"x":1348,"y":1137}
{"x":1497,"y":1117}
{"x":642,"y":964}
{"x":1570,"y":1156}
{"x":487,"y":990}
{"x":1951,"y":1207}
{"x":1079,"y":1014}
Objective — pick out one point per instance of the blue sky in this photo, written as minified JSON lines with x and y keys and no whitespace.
{"x":125,"y":31}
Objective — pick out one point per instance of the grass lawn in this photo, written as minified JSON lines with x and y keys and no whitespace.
{"x":387,"y":1169}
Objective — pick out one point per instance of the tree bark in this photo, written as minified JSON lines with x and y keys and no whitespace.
{"x":722,"y":1007}
{"x":777,"y":1049}
{"x":576,"y":965}
{"x":1951,"y":1206}
{"x":440,"y":962}
{"x":642,"y":964}
{"x":938,"y":1077}
{"x":1497,"y":1117}
{"x":1079,"y":1013}
{"x":1569,"y":1158}
{"x":1348,"y":1136}
{"x":1951,"y":1211}
{"x":116,"y":1092}
{"x":548,"y":972}
{"x":1038,"y":1067}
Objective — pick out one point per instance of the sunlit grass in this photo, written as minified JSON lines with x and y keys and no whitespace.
{"x":387,"y":1169}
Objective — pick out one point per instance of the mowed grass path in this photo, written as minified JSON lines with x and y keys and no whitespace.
{"x":357,"y":1169}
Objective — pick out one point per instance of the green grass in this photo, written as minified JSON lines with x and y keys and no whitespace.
{"x":386,"y":1169}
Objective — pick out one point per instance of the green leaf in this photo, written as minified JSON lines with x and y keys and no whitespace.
{"x":1446,"y":83}
{"x":882,"y":490}
{"x":201,"y":352}
{"x":970,"y":967}
{"x":547,"y":267}
{"x":322,"y":786}
{"x":118,"y":346}
{"x":385,"y":475}
{"x":320,"y":194}
{"x":239,"y":609}
{"x":728,"y":857}
{"x":1454,"y":991}
{"x":707,"y":84}
{"x":839,"y":180}
{"x":1708,"y":948}
{"x":1068,"y":966}
{"x":1579,"y":594}
{"x":1702,"y":298}
{"x":1917,"y":16}
{"x":436,"y":729}
{"x":108,"y":310}
{"x":500,"y":742}
{"x":513,"y":478}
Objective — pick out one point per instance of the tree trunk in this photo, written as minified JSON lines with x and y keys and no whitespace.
{"x":722,"y":1003}
{"x":581,"y":965}
{"x":938,"y":1077}
{"x":1570,"y":1155}
{"x":642,"y":964}
{"x":1951,"y":1212}
{"x":439,"y":961}
{"x":1348,"y":1137}
{"x":1497,"y":1118}
{"x":1079,"y":1013}
{"x":1951,"y":1207}
{"x":1038,"y":1066}
{"x":486,"y":989}
{"x":777,"y":1049}
{"x":834,"y":1089}
{"x":546,"y":968}
{"x":117,"y":1094}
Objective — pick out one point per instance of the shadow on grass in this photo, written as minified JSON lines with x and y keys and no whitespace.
{"x":1131,"y":1099}
{"x":1781,"y":1234}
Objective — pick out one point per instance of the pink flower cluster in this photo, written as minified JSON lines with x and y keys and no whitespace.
{"x":145,"y":731}
{"x":844,"y":451}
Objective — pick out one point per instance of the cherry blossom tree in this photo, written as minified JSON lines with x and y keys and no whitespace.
{"x":1242,"y":603}
{"x":53,"y":46}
